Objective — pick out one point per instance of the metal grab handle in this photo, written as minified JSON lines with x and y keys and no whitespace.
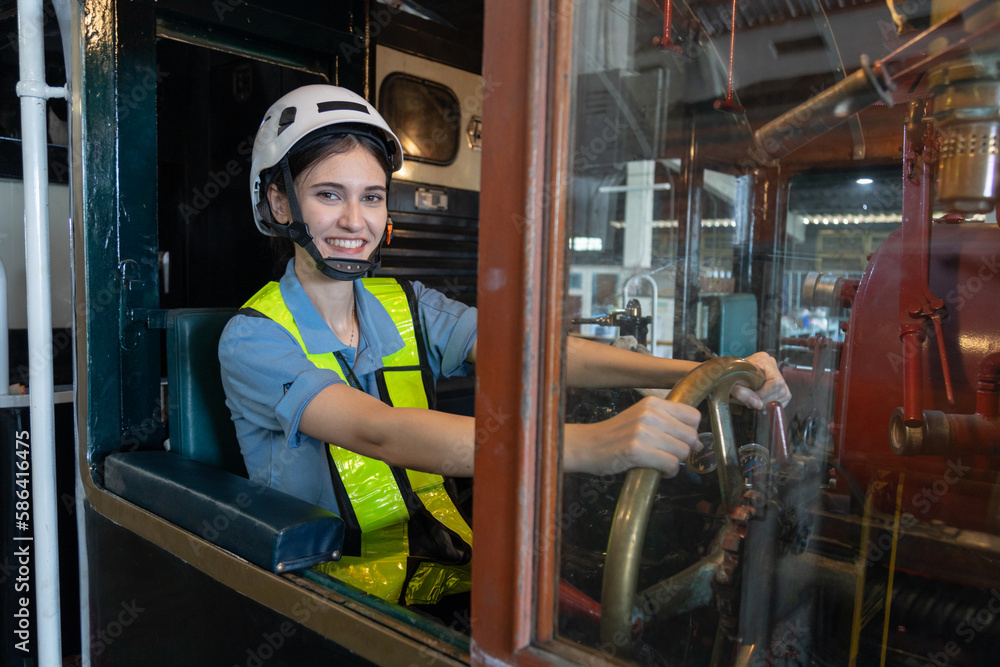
{"x":715,"y":379}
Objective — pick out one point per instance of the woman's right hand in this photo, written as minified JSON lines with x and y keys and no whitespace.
{"x":653,"y":433}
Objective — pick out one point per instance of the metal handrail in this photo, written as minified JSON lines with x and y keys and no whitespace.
{"x":34,"y":93}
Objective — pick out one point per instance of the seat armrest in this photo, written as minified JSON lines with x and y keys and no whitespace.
{"x":271,"y":529}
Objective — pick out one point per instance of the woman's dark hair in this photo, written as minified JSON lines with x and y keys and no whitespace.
{"x":302,"y":156}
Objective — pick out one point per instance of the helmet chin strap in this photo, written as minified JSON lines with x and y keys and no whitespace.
{"x":332,"y":267}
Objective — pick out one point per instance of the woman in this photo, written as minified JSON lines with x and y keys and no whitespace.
{"x":328,"y":376}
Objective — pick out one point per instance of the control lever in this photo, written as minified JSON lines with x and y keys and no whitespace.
{"x":630,"y":321}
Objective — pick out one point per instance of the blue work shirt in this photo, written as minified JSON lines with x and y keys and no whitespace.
{"x":269,"y":380}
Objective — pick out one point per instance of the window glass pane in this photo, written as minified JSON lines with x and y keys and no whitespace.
{"x":836,"y":219}
{"x":856,"y":245}
{"x":424,"y":115}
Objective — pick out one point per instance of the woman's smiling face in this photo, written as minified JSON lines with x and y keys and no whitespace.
{"x":343,"y":202}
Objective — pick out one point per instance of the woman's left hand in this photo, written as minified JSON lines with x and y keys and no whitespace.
{"x":774,"y":388}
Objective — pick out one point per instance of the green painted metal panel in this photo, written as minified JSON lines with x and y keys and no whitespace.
{"x":732,"y":324}
{"x":118,"y":174}
{"x":118,"y":158}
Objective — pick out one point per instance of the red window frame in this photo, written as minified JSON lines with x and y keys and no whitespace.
{"x":526,"y":57}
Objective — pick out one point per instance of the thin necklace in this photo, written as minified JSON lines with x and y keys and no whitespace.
{"x":354,"y":314}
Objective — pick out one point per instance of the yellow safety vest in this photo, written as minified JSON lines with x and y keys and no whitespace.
{"x":406,"y":541}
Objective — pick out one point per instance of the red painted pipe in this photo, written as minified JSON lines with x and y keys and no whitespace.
{"x":945,"y":434}
{"x":776,"y":423}
{"x":912,"y":377}
{"x":988,"y":392}
{"x":942,"y":434}
{"x":916,"y":301}
{"x":575,"y":602}
{"x":973,"y":433}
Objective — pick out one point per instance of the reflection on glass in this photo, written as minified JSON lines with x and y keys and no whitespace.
{"x":861,"y":525}
{"x":424,"y":115}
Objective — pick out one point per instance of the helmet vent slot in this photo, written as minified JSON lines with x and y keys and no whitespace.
{"x":342,"y":106}
{"x":286,"y":119}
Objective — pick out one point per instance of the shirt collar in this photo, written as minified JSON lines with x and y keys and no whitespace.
{"x":379,"y":337}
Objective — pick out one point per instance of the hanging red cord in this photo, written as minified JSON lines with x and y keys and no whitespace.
{"x":727,"y":104}
{"x":665,"y":42}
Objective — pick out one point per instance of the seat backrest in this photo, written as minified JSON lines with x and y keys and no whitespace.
{"x":200,"y":425}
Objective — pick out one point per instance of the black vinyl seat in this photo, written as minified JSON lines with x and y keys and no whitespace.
{"x":200,"y":484}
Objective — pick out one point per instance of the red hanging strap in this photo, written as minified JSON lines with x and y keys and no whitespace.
{"x":665,"y":42}
{"x":727,"y":104}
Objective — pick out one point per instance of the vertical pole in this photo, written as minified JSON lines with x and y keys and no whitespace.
{"x":688,"y":287}
{"x":33,"y":92}
{"x":916,"y":301}
{"x":638,"y":249}
{"x":767,"y":258}
{"x":4,"y":342}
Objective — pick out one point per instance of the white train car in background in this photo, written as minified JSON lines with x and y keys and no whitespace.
{"x":436,"y":110}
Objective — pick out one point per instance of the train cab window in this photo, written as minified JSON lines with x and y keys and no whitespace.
{"x":664,"y":281}
{"x":815,"y":530}
{"x":425,"y":115}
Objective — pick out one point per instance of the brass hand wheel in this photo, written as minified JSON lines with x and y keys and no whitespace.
{"x":713,"y":380}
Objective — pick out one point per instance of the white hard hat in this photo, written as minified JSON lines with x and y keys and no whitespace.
{"x":304,"y":111}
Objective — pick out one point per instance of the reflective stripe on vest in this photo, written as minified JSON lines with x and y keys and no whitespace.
{"x":376,"y":499}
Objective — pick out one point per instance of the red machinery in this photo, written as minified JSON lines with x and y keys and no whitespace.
{"x":915,"y":428}
{"x":946,"y":463}
{"x":919,"y":380}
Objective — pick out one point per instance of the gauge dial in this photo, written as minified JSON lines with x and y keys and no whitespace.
{"x":754,"y":461}
{"x":703,"y":462}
